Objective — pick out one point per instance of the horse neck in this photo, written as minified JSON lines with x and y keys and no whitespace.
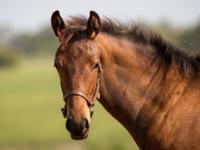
{"x":123,"y":84}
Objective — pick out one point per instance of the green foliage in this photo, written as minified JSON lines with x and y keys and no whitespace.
{"x":7,"y":58}
{"x":45,"y":43}
{"x":40,"y":43}
{"x":190,"y":39}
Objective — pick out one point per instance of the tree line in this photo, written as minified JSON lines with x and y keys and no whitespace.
{"x":44,"y":43}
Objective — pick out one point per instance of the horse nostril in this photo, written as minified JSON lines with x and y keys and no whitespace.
{"x":85,"y":124}
{"x":69,"y":124}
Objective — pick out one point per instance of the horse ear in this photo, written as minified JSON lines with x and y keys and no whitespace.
{"x":93,"y":25}
{"x":57,"y":23}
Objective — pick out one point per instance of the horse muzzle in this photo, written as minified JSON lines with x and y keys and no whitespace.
{"x":78,"y":130}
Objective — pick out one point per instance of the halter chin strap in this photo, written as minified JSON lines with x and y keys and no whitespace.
{"x":90,"y":103}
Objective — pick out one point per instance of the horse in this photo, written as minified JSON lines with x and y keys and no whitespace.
{"x":149,"y":85}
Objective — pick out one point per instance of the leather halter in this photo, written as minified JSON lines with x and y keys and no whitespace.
{"x":90,"y":103}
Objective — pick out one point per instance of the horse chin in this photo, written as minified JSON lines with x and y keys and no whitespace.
{"x":79,"y":137}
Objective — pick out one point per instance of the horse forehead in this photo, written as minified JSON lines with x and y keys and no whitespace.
{"x":81,"y":48}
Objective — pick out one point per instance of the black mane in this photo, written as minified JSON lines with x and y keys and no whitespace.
{"x":168,"y":54}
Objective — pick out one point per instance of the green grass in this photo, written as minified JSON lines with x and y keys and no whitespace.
{"x":30,"y":118}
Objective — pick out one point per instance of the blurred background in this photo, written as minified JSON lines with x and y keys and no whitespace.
{"x":30,"y":95}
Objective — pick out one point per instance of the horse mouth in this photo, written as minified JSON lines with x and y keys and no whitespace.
{"x":79,"y":137}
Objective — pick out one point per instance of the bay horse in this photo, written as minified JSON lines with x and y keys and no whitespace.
{"x":150,"y":86}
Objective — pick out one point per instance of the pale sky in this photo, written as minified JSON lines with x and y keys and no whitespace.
{"x":30,"y":15}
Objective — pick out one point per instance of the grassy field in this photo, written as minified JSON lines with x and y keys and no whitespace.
{"x":30,"y":118}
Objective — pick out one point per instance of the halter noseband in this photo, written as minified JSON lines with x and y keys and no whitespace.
{"x":78,"y":93}
{"x":90,"y":103}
